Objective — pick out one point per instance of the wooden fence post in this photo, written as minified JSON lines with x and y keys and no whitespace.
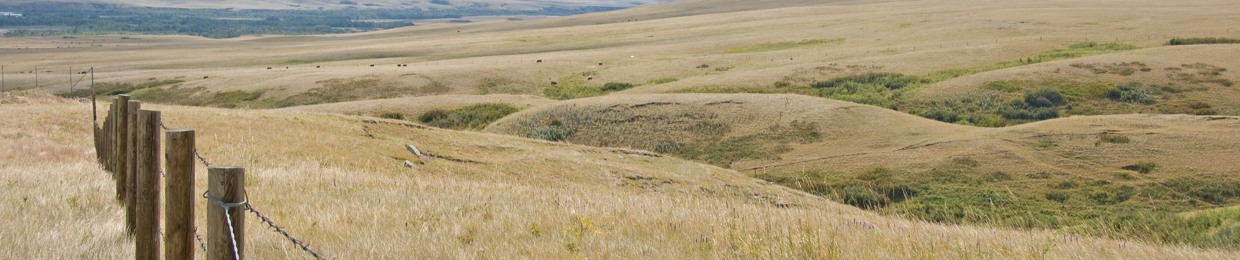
{"x":103,"y":141}
{"x":146,"y":192}
{"x":180,"y":195}
{"x":121,"y":130}
{"x":131,"y":165}
{"x":225,"y":185}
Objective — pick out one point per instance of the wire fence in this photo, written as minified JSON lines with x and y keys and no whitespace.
{"x":120,"y":152}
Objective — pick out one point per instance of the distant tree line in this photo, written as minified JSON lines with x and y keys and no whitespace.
{"x":52,"y":20}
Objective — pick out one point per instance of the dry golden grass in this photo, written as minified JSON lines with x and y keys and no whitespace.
{"x":345,"y":195}
{"x":337,"y":181}
{"x":636,"y":45}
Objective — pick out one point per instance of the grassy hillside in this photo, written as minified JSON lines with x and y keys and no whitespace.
{"x":693,"y":129}
{"x":1124,"y":176}
{"x":507,"y":196}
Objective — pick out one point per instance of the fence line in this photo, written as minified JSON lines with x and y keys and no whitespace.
{"x":127,"y":145}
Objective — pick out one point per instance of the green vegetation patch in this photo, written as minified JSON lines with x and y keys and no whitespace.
{"x":775,"y":46}
{"x":879,"y":89}
{"x":1202,"y":40}
{"x":574,"y":87}
{"x":472,"y":117}
{"x":960,"y":191}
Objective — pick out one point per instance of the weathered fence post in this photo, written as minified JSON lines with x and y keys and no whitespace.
{"x":121,"y":131}
{"x":179,"y":232}
{"x":226,"y":213}
{"x":131,"y":165}
{"x":146,"y":192}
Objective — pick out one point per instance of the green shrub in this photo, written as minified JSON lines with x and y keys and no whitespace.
{"x":942,"y":114}
{"x":1058,"y":196}
{"x":862,"y":198}
{"x":1106,"y":197}
{"x":552,"y":133}
{"x":1045,"y":98}
{"x":1132,"y":94}
{"x":886,"y":80}
{"x":392,"y":115}
{"x":1019,"y":111}
{"x":1204,"y":40}
{"x":1113,"y":138}
{"x":472,"y":117}
{"x":616,"y":86}
{"x":1047,"y":144}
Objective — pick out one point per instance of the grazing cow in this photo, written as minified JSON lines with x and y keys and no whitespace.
{"x":600,"y":64}
{"x":268,"y":67}
{"x":205,"y":77}
{"x":318,"y":67}
{"x":539,"y":61}
{"x":589,"y":78}
{"x":372,"y":65}
{"x":553,"y":83}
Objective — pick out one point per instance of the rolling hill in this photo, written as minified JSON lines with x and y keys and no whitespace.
{"x":498,"y":196}
{"x":690,"y":129}
{"x":1063,"y":173}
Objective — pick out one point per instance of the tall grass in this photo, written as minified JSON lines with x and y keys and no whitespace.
{"x":527,"y":198}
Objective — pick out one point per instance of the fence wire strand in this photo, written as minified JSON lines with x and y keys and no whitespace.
{"x":201,"y":244}
{"x":295,"y":241}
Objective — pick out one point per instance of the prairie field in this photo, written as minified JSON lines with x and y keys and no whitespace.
{"x":788,"y":129}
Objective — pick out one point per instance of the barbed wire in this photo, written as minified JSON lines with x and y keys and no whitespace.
{"x":201,"y":159}
{"x":200,"y":243}
{"x":266,"y":220}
